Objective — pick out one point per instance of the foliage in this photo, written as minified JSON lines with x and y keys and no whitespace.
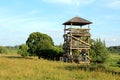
{"x":3,"y":50}
{"x":53,"y":53}
{"x":38,"y":42}
{"x":42,"y":45}
{"x":23,"y":50}
{"x":98,"y":52}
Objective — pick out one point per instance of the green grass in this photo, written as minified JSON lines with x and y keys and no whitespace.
{"x":14,"y":67}
{"x":113,"y":59}
{"x":12,"y":51}
{"x":112,"y":62}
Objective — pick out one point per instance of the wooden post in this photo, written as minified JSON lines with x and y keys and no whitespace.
{"x":71,"y":40}
{"x":64,"y":34}
{"x":64,"y":29}
{"x":88,"y":26}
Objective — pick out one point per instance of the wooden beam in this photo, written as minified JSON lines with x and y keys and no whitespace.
{"x":81,"y":40}
{"x":80,"y":48}
{"x":71,"y":40}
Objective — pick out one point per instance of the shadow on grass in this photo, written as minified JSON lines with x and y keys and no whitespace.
{"x":80,"y":67}
{"x":90,"y":68}
{"x":16,"y":57}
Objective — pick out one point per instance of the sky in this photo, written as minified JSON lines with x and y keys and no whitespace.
{"x":19,"y":18}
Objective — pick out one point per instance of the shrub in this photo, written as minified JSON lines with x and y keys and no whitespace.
{"x":23,"y":50}
{"x":98,"y":52}
{"x":53,"y":53}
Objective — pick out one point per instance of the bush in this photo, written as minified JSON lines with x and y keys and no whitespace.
{"x":53,"y":53}
{"x":23,"y":50}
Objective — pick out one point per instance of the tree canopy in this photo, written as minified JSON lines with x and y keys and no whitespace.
{"x":38,"y":42}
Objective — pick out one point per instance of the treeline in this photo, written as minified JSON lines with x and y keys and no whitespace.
{"x":114,"y":49}
{"x":13,"y":47}
{"x":8,"y":49}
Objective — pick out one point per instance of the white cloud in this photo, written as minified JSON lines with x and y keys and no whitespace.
{"x":115,"y":4}
{"x":112,"y":39}
{"x":71,"y":2}
{"x":112,"y":42}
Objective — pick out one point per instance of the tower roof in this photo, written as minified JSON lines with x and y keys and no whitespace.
{"x":77,"y":21}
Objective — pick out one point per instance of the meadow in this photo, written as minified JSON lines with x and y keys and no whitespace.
{"x":14,"y":67}
{"x":112,"y":62}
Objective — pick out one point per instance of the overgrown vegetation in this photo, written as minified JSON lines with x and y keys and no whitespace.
{"x":112,"y":61}
{"x":98,"y":52}
{"x":39,"y":69}
{"x":14,"y":67}
{"x":53,"y":53}
{"x":23,"y":50}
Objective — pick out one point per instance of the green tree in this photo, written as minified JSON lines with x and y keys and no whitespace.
{"x":23,"y":50}
{"x":98,"y":52}
{"x":38,"y":43}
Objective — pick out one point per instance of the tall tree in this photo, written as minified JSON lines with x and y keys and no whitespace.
{"x":38,"y":42}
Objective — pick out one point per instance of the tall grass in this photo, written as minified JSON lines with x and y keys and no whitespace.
{"x":14,"y":67}
{"x":112,"y":62}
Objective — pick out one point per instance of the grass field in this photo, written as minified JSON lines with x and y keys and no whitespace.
{"x":112,"y":62}
{"x":14,"y":67}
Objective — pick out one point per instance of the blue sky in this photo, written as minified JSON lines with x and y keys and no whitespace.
{"x":19,"y":18}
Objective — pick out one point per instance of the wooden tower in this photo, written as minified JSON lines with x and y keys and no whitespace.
{"x":76,"y":36}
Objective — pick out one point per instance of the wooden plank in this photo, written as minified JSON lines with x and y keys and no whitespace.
{"x":81,"y":41}
{"x":80,"y":48}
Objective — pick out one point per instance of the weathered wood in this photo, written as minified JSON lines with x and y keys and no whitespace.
{"x":81,"y":41}
{"x":76,"y":38}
